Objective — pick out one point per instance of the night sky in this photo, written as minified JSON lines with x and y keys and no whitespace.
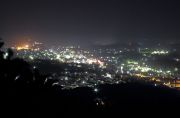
{"x":89,"y":22}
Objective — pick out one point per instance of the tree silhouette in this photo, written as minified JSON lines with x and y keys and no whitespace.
{"x":1,"y":43}
{"x":1,"y":52}
{"x":10,"y":53}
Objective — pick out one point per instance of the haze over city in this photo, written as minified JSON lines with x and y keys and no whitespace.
{"x":88,"y":22}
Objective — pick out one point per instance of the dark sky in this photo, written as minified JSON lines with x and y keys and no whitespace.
{"x":89,"y":21}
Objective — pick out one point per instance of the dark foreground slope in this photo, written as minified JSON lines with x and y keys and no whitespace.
{"x":111,"y":99}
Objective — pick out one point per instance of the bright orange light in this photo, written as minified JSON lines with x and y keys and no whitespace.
{"x":19,"y":48}
{"x":25,"y":47}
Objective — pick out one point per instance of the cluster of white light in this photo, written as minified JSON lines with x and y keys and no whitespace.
{"x":5,"y":55}
{"x":71,"y":56}
{"x":136,"y":67}
{"x":160,"y":52}
{"x":65,"y":56}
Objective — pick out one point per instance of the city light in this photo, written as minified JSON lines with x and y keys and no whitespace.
{"x":160,"y":52}
{"x":123,"y":68}
{"x":96,"y":90}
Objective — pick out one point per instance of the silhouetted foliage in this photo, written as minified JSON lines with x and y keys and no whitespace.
{"x":10,"y":54}
{"x":1,"y":52}
{"x":1,"y":43}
